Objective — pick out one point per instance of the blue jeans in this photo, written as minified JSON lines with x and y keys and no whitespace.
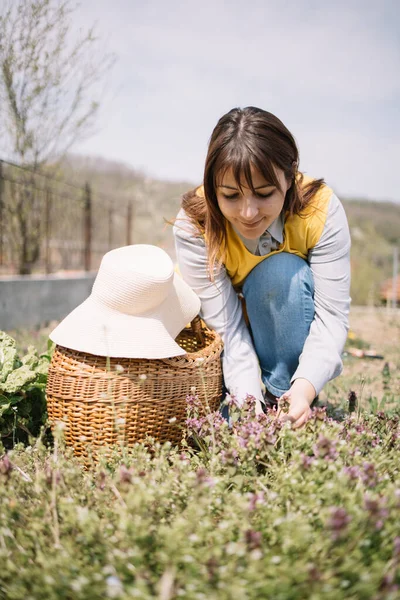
{"x":279,"y":295}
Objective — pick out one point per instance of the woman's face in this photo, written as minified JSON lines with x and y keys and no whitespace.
{"x":251,"y":214}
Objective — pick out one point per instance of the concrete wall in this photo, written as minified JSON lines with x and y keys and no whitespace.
{"x":30,"y":301}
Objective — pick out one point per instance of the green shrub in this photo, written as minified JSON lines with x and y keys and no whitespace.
{"x":22,"y":392}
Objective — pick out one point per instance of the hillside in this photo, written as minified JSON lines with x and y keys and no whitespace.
{"x":115,"y":185}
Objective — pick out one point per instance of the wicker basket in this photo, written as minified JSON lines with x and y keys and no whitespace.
{"x":106,"y":401}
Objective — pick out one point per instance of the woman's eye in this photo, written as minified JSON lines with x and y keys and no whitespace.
{"x":231,"y":197}
{"x":265,"y":195}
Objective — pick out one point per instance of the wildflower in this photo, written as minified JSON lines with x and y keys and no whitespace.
{"x":125,"y":475}
{"x":352,"y":401}
{"x":5,"y":467}
{"x":353,"y":472}
{"x":306,"y":461}
{"x":119,"y":368}
{"x":338,"y":521}
{"x":256,"y":499}
{"x":284,"y":405}
{"x":193,"y":402}
{"x":319,"y":413}
{"x":369,"y":476}
{"x":325,"y":448}
{"x":388,"y":583}
{"x":143,"y":376}
{"x":229,"y":457}
{"x":203,"y":478}
{"x":253,"y":539}
{"x":101,"y":480}
{"x":377,"y":510}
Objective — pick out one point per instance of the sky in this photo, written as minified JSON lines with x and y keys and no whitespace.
{"x":329,"y":70}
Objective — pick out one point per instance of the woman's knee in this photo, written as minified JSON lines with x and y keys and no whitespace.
{"x":280,"y":275}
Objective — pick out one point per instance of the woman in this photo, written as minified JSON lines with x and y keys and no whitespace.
{"x":259,"y":231}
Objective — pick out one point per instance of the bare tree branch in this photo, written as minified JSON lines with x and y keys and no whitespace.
{"x":49,"y":93}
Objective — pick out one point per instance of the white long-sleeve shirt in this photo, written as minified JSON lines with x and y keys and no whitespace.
{"x":221,"y":308}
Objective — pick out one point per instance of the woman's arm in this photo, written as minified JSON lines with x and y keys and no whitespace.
{"x":221,"y":310}
{"x":329,"y":260}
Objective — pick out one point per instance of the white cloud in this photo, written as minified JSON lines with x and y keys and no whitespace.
{"x":328,"y":70}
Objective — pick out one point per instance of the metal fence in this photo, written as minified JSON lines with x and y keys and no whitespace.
{"x":48,"y":225}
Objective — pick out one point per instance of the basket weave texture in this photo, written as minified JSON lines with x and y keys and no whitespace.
{"x":106,"y":401}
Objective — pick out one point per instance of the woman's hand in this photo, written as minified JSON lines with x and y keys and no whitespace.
{"x":299,"y":398}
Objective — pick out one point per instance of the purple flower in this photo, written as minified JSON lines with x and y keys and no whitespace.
{"x":369,"y":476}
{"x":319,"y":413}
{"x":352,"y":472}
{"x":306,"y":461}
{"x":203,"y":477}
{"x":253,"y":539}
{"x":125,"y":475}
{"x":101,"y":480}
{"x":229,"y":457}
{"x":388,"y":583}
{"x":377,"y":511}
{"x":5,"y":466}
{"x":338,"y":521}
{"x":325,"y":448}
{"x":256,"y":499}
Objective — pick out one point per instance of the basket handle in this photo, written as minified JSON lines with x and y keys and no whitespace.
{"x":198,"y":331}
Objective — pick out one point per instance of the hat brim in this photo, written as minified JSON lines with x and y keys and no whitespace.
{"x":97,"y":329}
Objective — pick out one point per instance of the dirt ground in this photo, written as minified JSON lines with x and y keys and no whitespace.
{"x":376,"y":381}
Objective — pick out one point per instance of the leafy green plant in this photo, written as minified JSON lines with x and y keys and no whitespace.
{"x":22,"y":391}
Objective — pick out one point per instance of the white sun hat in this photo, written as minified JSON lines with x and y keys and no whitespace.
{"x":137,"y":307}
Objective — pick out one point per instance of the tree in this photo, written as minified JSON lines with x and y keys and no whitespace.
{"x":50,"y":82}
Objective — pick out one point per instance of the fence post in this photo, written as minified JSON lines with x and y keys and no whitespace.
{"x":47,"y":232}
{"x":129,"y":225}
{"x":88,"y":227}
{"x":1,"y":213}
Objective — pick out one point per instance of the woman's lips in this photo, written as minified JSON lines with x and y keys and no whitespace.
{"x":252,"y":225}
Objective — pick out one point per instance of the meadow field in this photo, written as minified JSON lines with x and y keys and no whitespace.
{"x":250,"y":512}
{"x":376,"y":381}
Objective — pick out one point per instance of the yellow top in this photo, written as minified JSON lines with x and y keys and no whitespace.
{"x":300,"y":234}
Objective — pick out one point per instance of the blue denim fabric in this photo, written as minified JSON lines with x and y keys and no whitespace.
{"x":279,"y":300}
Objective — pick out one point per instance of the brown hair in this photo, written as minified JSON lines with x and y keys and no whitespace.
{"x":245,"y":138}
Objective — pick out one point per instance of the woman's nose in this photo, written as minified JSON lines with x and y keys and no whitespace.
{"x":249,"y":210}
